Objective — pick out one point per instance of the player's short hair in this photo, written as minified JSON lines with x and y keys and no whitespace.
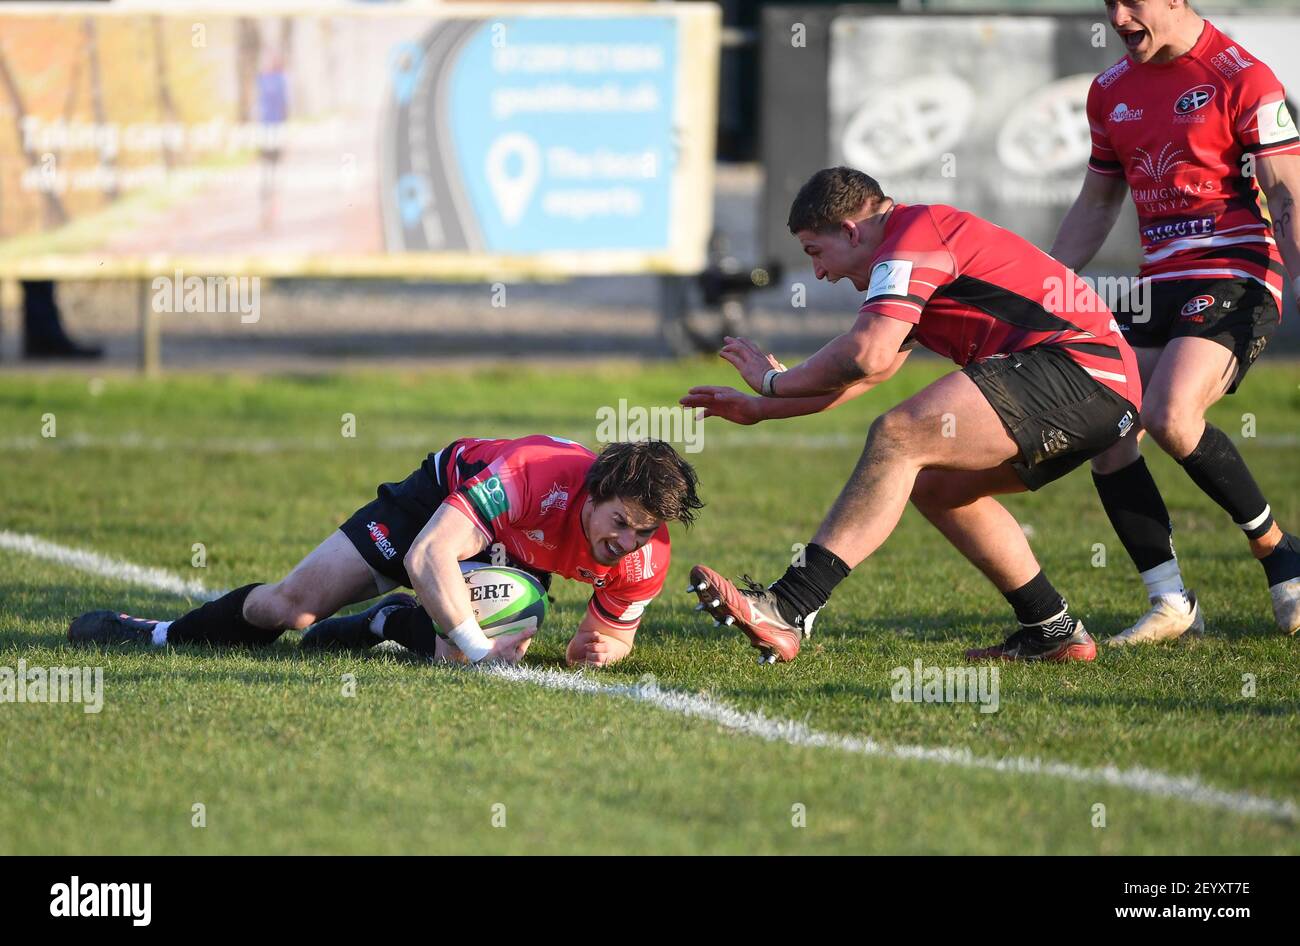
{"x":830,"y":197}
{"x":649,"y":473}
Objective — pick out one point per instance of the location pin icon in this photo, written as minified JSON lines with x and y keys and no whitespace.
{"x":512,"y":189}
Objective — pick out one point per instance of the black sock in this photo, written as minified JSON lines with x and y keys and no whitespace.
{"x":805,"y":588}
{"x":1217,"y":468}
{"x":413,"y":629}
{"x":220,"y":622}
{"x":1036,"y":603}
{"x":1283,"y":563}
{"x":1137,"y":512}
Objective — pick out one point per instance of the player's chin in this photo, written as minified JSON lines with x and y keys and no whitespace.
{"x":604,"y":553}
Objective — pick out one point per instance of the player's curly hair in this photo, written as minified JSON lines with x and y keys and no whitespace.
{"x":649,"y":473}
{"x":830,"y":197}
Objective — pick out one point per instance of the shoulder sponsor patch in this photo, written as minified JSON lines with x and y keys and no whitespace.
{"x":890,"y":278}
{"x":1114,"y":72}
{"x":489,"y":498}
{"x":1275,"y":123}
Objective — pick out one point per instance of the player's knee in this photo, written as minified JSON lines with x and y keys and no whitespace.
{"x":1173,"y":424}
{"x":891,"y":433}
{"x":286,"y":607}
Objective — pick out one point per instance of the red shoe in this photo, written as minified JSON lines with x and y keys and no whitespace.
{"x":754,"y":610}
{"x":1030,"y":647}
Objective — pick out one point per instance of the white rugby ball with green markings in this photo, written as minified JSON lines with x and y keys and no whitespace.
{"x":505,"y":600}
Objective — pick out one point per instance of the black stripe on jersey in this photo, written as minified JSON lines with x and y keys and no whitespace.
{"x":1095,"y":348}
{"x":1245,"y":253}
{"x":910,"y":297}
{"x":604,"y":612}
{"x":1004,"y":305}
{"x":1106,"y":165}
{"x":1272,"y":144}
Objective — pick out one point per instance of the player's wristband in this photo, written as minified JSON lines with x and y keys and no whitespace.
{"x":769,"y":380}
{"x":471,"y":640}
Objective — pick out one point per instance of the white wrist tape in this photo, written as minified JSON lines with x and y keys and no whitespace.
{"x":769,"y":380}
{"x":471,"y":640}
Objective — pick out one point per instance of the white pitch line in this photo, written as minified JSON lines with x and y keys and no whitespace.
{"x":95,"y":564}
{"x":1185,"y":788}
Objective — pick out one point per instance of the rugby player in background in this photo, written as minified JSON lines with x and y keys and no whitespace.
{"x":1047,"y":382}
{"x":1190,"y":120}
{"x":549,"y":504}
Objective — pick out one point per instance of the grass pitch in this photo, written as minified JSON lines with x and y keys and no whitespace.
{"x":425,"y":759}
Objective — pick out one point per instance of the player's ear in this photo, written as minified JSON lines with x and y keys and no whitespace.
{"x":851,"y":232}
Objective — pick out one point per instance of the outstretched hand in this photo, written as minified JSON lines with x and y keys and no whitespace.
{"x":750,"y":360}
{"x":727,"y":403}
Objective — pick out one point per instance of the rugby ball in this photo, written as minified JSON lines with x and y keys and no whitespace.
{"x":505,"y":600}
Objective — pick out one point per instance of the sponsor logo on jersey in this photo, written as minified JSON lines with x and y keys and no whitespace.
{"x":1122,"y":113}
{"x":379,"y":535}
{"x":1190,"y":102}
{"x":639,"y":567}
{"x":1157,"y":166}
{"x":538,"y":536}
{"x":1177,"y":229}
{"x":489,"y":497}
{"x":890,"y":278}
{"x":1230,"y":62}
{"x":1107,"y":78}
{"x":556,"y":498}
{"x":1274,"y":123}
{"x":587,"y":575}
{"x":1192,"y":310}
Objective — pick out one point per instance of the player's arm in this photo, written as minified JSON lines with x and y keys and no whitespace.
{"x":1090,"y":219}
{"x":746,"y":409}
{"x":596,"y":644}
{"x":433,"y":564}
{"x":1279,"y":179}
{"x":868,"y":353}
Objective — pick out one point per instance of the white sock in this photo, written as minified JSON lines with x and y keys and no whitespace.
{"x":377,"y":622}
{"x":160,"y":633}
{"x":1165,"y":583}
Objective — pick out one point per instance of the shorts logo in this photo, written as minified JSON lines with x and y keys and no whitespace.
{"x":1125,"y":423}
{"x":379,"y":535}
{"x":1054,"y":441}
{"x":556,"y":498}
{"x":1256,"y":347}
{"x":1192,"y":310}
{"x":489,"y":497}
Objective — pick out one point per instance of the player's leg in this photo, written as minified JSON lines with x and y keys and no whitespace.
{"x":1137,"y":512}
{"x":1192,"y":375}
{"x":333,"y":575}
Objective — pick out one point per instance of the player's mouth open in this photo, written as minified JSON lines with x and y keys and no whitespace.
{"x":616,"y":552}
{"x":1134,"y":39}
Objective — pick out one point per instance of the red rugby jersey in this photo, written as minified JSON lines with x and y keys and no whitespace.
{"x":1178,"y":132}
{"x":528,"y":494}
{"x":974,"y":290}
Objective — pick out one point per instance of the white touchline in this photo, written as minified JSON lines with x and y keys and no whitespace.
{"x":103,"y":566}
{"x":699,"y":706}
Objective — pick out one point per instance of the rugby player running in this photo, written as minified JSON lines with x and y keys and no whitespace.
{"x":1047,"y":382}
{"x":1196,"y":126}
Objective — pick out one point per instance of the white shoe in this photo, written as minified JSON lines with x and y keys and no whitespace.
{"x":1166,"y":623}
{"x":1286,"y":605}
